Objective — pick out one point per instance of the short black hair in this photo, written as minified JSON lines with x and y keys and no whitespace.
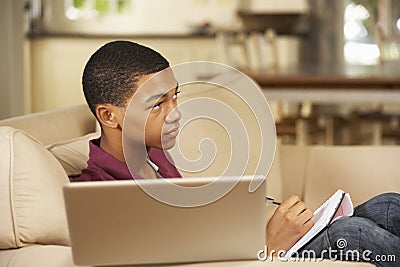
{"x":111,"y":74}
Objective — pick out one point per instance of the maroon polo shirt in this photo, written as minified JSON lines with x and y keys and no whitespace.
{"x":102,"y":166}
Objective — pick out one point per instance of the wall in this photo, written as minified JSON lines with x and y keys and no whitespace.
{"x":59,"y":63}
{"x":279,"y":5}
{"x":146,"y":17}
{"x":14,"y":98}
{"x":5,"y":85}
{"x":164,"y":17}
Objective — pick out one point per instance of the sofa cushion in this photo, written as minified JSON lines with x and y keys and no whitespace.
{"x":73,"y":154}
{"x":31,"y":200}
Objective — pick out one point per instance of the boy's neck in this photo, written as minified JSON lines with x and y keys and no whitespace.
{"x":112,"y":147}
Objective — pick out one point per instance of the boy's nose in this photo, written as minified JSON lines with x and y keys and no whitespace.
{"x":173,"y":116}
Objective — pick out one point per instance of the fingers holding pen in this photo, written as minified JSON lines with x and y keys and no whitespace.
{"x":291,"y":220}
{"x":296,"y":215}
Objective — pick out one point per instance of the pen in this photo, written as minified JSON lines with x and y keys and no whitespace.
{"x":270,"y":200}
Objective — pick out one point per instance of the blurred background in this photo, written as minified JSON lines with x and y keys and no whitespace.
{"x":330,"y":69}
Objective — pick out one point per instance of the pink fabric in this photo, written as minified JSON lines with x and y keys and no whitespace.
{"x":104,"y":167}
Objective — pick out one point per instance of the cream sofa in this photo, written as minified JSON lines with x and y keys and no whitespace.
{"x":39,"y":152}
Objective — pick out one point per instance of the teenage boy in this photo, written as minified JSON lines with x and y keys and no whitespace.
{"x":111,"y":80}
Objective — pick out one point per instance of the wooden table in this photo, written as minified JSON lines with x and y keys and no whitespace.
{"x":332,"y":85}
{"x":341,"y":88}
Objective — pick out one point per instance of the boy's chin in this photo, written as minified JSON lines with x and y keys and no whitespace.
{"x":163,"y":145}
{"x":168,"y":145}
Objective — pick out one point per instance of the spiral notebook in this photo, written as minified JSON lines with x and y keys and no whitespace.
{"x":337,"y":206}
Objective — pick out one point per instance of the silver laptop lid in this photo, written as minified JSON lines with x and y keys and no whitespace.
{"x":117,"y":222}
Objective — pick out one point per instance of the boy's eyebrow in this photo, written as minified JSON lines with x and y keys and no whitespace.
{"x":155,"y":97}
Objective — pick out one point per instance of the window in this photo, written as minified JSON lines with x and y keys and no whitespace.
{"x":359,"y":23}
{"x":86,"y":9}
{"x":370,"y":31}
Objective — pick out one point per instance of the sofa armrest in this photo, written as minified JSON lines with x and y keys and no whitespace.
{"x":37,"y":255}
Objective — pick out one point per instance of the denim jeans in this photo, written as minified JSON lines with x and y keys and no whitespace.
{"x":372,"y":234}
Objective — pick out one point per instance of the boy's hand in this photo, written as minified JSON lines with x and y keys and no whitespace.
{"x":289,"y":223}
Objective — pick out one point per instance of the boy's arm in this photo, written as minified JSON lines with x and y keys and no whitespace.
{"x":289,"y":223}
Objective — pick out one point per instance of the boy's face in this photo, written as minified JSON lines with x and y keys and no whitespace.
{"x":153,"y":115}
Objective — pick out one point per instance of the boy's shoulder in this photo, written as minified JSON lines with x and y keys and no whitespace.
{"x":104,"y":167}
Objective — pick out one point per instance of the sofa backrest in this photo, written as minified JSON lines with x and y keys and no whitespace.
{"x":57,"y":125}
{"x":212,"y":138}
{"x":293,"y":161}
{"x":315,"y":172}
{"x":363,"y":171}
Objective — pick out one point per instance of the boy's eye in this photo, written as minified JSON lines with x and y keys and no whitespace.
{"x":157,"y":106}
{"x":176,"y":94}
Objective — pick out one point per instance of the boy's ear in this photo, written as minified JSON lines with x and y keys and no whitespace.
{"x":107,"y":115}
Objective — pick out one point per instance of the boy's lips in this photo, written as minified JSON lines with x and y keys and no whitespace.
{"x":173,"y":132}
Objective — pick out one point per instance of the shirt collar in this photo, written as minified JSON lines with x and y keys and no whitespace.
{"x":152,"y":164}
{"x":112,"y":166}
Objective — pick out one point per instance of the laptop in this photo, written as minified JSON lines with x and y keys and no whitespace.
{"x":120,"y":223}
